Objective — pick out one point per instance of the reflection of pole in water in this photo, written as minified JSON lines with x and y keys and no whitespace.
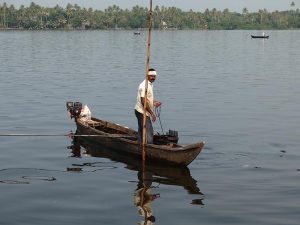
{"x":75,"y":147}
{"x":143,"y":197}
{"x":145,"y":205}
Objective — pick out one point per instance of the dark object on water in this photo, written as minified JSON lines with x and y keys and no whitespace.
{"x":197,"y":202}
{"x":136,"y":33}
{"x":259,"y":36}
{"x":170,"y":137}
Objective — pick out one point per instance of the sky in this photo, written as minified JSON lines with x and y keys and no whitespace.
{"x":195,"y":5}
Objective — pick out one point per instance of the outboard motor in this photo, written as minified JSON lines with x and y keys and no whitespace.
{"x":74,"y":108}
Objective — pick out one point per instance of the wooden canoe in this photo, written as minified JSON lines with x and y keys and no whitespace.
{"x":124,"y":140}
{"x":253,"y":36}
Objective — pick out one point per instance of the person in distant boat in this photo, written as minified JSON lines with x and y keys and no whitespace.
{"x":263,"y":34}
{"x":85,"y":113}
{"x":151,"y":104}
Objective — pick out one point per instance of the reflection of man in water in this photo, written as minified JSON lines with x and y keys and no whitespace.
{"x":143,"y":199}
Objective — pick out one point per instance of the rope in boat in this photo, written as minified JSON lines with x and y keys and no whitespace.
{"x":157,"y":114}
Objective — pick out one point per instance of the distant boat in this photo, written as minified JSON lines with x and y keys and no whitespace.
{"x":137,"y":33}
{"x":259,"y":36}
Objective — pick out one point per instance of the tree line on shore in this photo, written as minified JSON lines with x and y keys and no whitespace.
{"x":35,"y":17}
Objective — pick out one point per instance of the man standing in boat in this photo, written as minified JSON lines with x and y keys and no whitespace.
{"x":151,"y":103}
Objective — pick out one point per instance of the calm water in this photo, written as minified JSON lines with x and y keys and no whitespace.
{"x":240,"y":95}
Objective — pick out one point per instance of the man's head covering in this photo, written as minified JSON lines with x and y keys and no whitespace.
{"x":152,"y":72}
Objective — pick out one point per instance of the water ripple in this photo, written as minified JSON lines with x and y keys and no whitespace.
{"x":16,"y":175}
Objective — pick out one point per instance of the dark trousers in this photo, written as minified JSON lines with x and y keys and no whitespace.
{"x":149,"y":128}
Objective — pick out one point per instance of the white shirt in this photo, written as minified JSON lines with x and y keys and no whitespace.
{"x":141,"y":94}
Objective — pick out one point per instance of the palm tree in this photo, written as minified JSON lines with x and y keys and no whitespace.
{"x":4,"y":14}
{"x":293,"y":4}
{"x":261,"y":15}
{"x":293,"y":12}
{"x":245,"y":11}
{"x":113,"y":13}
{"x":69,"y":13}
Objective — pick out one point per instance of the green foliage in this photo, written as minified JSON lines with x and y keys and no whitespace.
{"x":75,"y":17}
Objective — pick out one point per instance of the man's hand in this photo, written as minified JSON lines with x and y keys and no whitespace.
{"x":157,"y":103}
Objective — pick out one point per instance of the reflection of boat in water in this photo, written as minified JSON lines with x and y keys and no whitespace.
{"x":155,"y":172}
{"x":150,"y":176}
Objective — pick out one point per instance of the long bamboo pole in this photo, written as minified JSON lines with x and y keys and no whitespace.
{"x":67,"y":135}
{"x":146,"y":84}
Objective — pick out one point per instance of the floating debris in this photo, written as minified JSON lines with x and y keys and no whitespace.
{"x":74,"y":169}
{"x":197,"y":202}
{"x":45,"y":178}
